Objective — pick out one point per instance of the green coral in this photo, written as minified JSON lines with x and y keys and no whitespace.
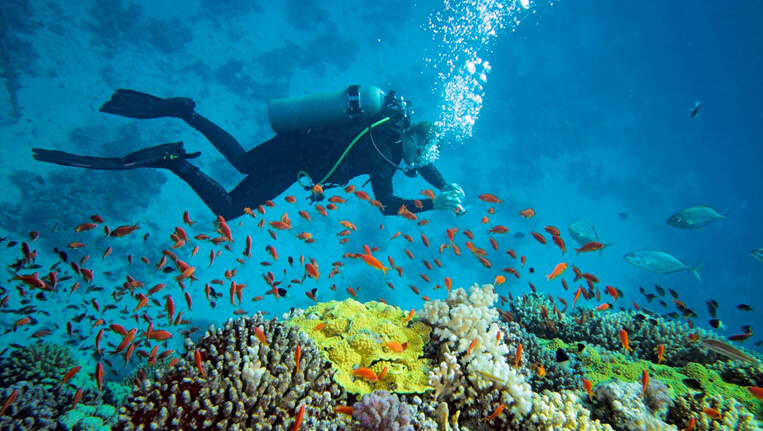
{"x":40,"y":363}
{"x":602,"y":365}
{"x":355,"y":335}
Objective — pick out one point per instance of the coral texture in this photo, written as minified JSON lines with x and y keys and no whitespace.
{"x":355,"y":335}
{"x":487,"y":376}
{"x":560,"y":411}
{"x":239,"y":382}
{"x":43,"y":363}
{"x":381,"y":411}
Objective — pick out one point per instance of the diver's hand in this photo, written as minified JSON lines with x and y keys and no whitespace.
{"x":453,"y":187}
{"x":448,"y":200}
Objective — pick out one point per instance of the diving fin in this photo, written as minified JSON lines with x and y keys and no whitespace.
{"x":160,"y":156}
{"x":134,"y":104}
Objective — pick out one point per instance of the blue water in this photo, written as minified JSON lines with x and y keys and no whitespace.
{"x":584,"y":116}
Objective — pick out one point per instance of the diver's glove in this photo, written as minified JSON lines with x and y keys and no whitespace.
{"x":454,"y":187}
{"x":449,"y":200}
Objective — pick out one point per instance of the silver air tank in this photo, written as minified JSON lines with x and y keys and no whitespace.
{"x":325,"y":109}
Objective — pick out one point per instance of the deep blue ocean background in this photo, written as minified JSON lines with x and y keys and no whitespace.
{"x":584,"y":116}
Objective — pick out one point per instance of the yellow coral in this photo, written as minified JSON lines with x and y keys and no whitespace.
{"x":355,"y":335}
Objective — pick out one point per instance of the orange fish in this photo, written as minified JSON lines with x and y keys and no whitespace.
{"x":644,"y":382}
{"x":9,"y":400}
{"x":99,"y":376}
{"x":197,"y":357}
{"x":538,"y":237}
{"x":298,"y":356}
{"x":602,"y":307}
{"x":77,"y":397}
{"x":410,"y":316}
{"x":352,"y":292}
{"x":756,"y":392}
{"x":85,"y":226}
{"x":527,"y":213}
{"x":712,"y":413}
{"x":611,"y":291}
{"x":690,"y":426}
{"x":519,"y":356}
{"x":499,"y":280}
{"x":123,"y":230}
{"x":495,"y":414}
{"x":298,"y":420}
{"x":383,"y":373}
{"x":365,"y":373}
{"x":187,"y":219}
{"x":589,"y":247}
{"x":312,"y":271}
{"x":660,"y":353}
{"x":471,"y":346}
{"x":560,"y":243}
{"x":396,"y":347}
{"x":588,"y":386}
{"x":623,"y":337}
{"x":69,"y":374}
{"x":448,"y":283}
{"x":260,"y":335}
{"x":487,"y":197}
{"x":374,"y":263}
{"x":558,"y":270}
{"x":318,"y":327}
{"x":345,"y":410}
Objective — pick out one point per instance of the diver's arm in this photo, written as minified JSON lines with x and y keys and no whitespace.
{"x":432,"y":175}
{"x":382,"y":189}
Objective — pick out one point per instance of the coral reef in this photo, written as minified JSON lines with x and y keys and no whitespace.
{"x":734,"y":416}
{"x":541,"y":352}
{"x":621,"y":404}
{"x":235,"y":378}
{"x":481,"y":379}
{"x":355,"y":335}
{"x":35,"y":407}
{"x":84,"y":417}
{"x":560,"y":411}
{"x":381,"y":411}
{"x":40,"y":363}
{"x":646,"y":330}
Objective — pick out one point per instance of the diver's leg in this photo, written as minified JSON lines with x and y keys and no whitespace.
{"x":222,"y":140}
{"x":254,"y":190}
{"x":209,"y":190}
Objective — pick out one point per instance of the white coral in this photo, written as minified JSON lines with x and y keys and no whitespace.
{"x":561,"y":411}
{"x":515,"y":392}
{"x":443,"y":378}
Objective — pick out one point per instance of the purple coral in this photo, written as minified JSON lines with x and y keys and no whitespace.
{"x":381,"y":411}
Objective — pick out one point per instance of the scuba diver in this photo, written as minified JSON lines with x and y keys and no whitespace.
{"x":333,"y":137}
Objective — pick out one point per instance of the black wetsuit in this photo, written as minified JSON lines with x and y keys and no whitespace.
{"x":272,"y":166}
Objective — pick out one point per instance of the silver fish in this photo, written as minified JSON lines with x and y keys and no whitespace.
{"x":695,"y":217}
{"x":660,"y":262}
{"x":583,"y":233}
{"x":757,"y":254}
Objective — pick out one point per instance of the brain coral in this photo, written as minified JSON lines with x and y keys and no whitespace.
{"x":239,"y":383}
{"x":355,"y":335}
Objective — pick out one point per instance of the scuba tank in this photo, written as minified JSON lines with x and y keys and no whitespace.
{"x":325,"y":109}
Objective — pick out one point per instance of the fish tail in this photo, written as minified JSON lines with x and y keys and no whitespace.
{"x":695,"y":271}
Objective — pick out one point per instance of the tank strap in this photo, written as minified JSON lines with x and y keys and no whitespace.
{"x":303,"y":174}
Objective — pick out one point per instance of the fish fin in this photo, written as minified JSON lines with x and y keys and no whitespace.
{"x":695,"y":271}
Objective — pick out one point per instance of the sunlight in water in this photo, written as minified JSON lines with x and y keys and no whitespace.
{"x":466,"y":31}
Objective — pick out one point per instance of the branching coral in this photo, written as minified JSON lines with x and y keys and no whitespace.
{"x":239,"y":382}
{"x":43,"y":363}
{"x":381,"y":411}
